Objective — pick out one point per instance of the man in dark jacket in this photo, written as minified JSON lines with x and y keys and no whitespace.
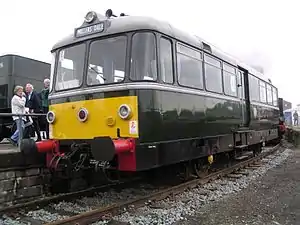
{"x":45,"y":104}
{"x":295,"y":115}
{"x":33,"y":102}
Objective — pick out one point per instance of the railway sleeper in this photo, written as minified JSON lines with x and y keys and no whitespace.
{"x":234,"y":175}
{"x":252,"y":167}
{"x":242,"y":172}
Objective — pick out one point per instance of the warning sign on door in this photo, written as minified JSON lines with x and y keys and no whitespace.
{"x":133,"y":127}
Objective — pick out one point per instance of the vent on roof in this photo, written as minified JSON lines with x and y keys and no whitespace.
{"x":109,"y":13}
{"x":206,"y":47}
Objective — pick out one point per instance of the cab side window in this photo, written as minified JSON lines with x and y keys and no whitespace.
{"x":143,"y":57}
{"x":166,"y":61}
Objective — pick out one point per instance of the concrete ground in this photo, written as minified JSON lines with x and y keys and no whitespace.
{"x":273,"y":199}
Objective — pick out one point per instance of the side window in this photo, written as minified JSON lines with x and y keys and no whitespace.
{"x":143,"y":57}
{"x":262,"y":91}
{"x":229,"y":77}
{"x":275,"y":97}
{"x":189,"y":63}
{"x":213,"y":74}
{"x":166,"y":61}
{"x":269,"y":94}
{"x":253,"y":88}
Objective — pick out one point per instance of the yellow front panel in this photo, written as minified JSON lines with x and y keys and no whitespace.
{"x":103,"y":119}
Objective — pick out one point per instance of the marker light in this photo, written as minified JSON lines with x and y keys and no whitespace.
{"x":82,"y":115}
{"x":124,"y":111}
{"x":90,"y":16}
{"x":50,"y":117}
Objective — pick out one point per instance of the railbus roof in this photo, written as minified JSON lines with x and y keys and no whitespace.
{"x":126,"y":24}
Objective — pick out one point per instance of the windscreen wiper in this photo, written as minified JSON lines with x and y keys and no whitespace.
{"x":101,"y":75}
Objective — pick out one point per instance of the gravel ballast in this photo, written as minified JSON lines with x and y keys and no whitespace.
{"x":272,"y":200}
{"x":64,"y":209}
{"x":187,"y":204}
{"x":181,"y":209}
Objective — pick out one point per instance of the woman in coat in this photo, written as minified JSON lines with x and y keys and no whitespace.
{"x":18,"y":107}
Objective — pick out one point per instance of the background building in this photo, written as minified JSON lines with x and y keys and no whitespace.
{"x":287,"y":105}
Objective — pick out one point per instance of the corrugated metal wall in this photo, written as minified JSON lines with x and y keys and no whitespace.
{"x":18,"y":70}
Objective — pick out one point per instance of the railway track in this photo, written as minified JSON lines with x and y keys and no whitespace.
{"x":97,"y":214}
{"x":107,"y":211}
{"x":59,"y":197}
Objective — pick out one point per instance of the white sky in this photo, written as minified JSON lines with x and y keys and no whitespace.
{"x":264,"y":32}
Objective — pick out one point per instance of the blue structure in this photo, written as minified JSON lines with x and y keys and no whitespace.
{"x":288,"y":118}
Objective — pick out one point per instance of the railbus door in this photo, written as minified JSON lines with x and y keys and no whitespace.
{"x":241,"y":94}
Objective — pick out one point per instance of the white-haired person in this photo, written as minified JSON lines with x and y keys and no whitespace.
{"x":18,"y":102}
{"x":45,"y":103}
{"x":33,"y":102}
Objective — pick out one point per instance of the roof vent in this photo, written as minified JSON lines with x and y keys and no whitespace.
{"x":206,"y":47}
{"x":109,"y":13}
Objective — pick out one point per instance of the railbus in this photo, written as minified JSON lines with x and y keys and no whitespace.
{"x":133,"y":93}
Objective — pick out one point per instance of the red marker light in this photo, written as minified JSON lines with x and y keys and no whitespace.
{"x":82,"y":115}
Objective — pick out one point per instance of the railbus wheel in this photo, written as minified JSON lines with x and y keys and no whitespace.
{"x":201,"y":168}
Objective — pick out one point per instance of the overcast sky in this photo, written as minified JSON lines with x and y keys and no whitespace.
{"x":263,"y":32}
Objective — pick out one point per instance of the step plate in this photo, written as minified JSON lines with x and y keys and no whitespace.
{"x":241,"y":146}
{"x":243,"y":131}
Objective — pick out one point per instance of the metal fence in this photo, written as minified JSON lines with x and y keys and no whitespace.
{"x":21,"y":116}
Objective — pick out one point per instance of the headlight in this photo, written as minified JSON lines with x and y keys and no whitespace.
{"x":82,"y":115}
{"x":124,"y":111}
{"x":50,"y":117}
{"x":90,"y":16}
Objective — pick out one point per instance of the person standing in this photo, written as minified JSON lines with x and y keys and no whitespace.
{"x":33,"y":102}
{"x":295,"y":115}
{"x":45,"y":103}
{"x":18,"y":102}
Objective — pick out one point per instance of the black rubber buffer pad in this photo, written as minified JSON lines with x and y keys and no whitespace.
{"x":103,"y":148}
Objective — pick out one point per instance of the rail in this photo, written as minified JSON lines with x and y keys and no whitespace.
{"x":117,"y":208}
{"x":20,"y":120}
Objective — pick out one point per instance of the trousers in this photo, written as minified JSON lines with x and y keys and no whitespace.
{"x":20,"y":127}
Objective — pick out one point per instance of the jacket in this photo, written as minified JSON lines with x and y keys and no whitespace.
{"x":34,"y":102}
{"x":295,"y":115}
{"x":44,"y":97}
{"x":18,"y":106}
